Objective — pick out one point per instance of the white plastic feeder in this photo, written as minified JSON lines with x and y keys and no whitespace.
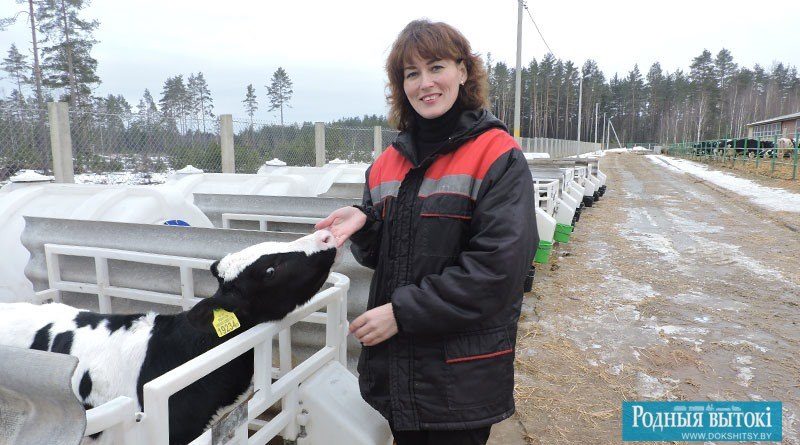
{"x":576,"y":191}
{"x":545,"y":224}
{"x":564,"y":211}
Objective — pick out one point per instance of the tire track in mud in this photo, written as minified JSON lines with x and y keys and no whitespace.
{"x":668,"y":290}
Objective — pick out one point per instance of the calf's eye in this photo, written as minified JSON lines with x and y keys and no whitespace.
{"x":270,"y":272}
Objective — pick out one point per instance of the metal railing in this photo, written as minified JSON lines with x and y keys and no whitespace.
{"x":264,"y":220}
{"x":557,"y":148}
{"x":121,"y":416}
{"x":776,"y":157}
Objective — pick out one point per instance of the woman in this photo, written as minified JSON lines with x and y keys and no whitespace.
{"x":447,"y":222}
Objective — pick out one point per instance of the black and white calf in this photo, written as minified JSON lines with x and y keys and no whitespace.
{"x":118,"y":354}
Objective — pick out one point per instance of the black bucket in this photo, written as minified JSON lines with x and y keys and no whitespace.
{"x":528,"y":284}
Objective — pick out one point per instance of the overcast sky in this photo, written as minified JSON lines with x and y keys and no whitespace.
{"x":334,"y":51}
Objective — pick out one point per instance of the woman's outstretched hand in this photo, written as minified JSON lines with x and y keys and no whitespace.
{"x":342,"y":223}
{"x":375,"y":326}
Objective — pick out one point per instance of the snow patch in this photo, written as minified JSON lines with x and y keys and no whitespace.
{"x":708,"y":301}
{"x":655,"y":242}
{"x":739,"y":342}
{"x":656,"y":160}
{"x":688,"y":225}
{"x":744,"y":376}
{"x":768,"y":197}
{"x":652,"y":388}
{"x":122,"y":178}
{"x":729,"y":254}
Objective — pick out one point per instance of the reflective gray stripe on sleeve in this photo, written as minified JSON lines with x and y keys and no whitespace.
{"x":381,"y":191}
{"x":457,"y":184}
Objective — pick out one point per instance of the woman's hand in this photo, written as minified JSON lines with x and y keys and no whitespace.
{"x":342,"y":223}
{"x":375,"y":326}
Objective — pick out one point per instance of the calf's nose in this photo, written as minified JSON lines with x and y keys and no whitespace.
{"x":325,"y":238}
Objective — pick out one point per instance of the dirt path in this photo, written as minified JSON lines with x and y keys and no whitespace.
{"x":668,"y":291}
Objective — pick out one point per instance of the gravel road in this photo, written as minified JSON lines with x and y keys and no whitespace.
{"x":670,"y":289}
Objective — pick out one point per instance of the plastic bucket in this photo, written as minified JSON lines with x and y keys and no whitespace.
{"x":563,"y":232}
{"x":543,"y":252}
{"x":528,"y":285}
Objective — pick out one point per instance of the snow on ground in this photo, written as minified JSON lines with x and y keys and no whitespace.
{"x":767,"y":197}
{"x":117,"y":178}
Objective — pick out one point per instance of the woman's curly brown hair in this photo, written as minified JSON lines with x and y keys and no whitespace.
{"x":432,"y":41}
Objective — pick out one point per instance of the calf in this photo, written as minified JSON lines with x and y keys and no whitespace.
{"x":785,"y":147}
{"x":118,"y":354}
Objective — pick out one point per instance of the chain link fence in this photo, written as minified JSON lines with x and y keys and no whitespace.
{"x":354,"y":145}
{"x":256,"y":142}
{"x":142,"y":148}
{"x":146,"y":146}
{"x":24,"y":141}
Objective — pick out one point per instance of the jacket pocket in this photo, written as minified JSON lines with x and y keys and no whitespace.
{"x":480,"y":368}
{"x":444,"y":224}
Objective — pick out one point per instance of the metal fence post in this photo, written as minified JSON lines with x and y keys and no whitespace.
{"x":226,"y":143}
{"x":319,"y":143}
{"x":794,"y":164}
{"x":772,"y":154}
{"x":377,"y":145}
{"x":61,"y":142}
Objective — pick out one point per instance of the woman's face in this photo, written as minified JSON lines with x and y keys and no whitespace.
{"x":431,"y":86}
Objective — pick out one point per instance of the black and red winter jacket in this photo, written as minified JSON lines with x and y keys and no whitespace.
{"x":450,"y":239}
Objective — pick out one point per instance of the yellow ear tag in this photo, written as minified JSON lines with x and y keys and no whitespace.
{"x":225,"y":322}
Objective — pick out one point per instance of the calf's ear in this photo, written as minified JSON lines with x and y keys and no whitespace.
{"x":215,"y":271}
{"x":201,"y":316}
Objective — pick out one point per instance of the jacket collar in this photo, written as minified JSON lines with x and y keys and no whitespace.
{"x":470,"y":124}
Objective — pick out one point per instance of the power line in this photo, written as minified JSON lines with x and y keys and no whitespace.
{"x":525,"y":5}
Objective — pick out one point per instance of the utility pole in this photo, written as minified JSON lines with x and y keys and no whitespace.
{"x":580,"y":106}
{"x":518,"y":87}
{"x":596,"y":119}
{"x":605,"y":127}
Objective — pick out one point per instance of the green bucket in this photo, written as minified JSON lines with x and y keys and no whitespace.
{"x":543,"y":252}
{"x":563,"y":232}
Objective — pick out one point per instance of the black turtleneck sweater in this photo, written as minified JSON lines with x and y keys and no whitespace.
{"x":432,"y":134}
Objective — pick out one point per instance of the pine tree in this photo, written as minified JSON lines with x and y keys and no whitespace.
{"x":192,"y":101}
{"x":66,"y":60}
{"x":175,"y":102}
{"x":201,"y":95}
{"x":17,"y":67}
{"x":279,"y":91}
{"x":250,"y":103}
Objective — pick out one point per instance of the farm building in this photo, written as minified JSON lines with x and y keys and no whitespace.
{"x":777,"y":127}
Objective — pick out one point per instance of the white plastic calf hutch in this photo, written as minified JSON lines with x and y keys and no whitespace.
{"x":31,"y":196}
{"x":332,"y":181}
{"x":190,"y":180}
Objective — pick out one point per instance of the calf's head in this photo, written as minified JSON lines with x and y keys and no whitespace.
{"x":266,"y":281}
